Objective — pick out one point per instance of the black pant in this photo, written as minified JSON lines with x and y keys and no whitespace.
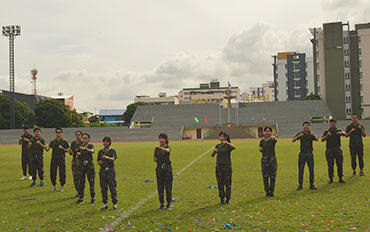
{"x":357,"y":150}
{"x":337,"y":155}
{"x":269,"y":168}
{"x":302,"y":160}
{"x":89,"y":172}
{"x":164,"y":181}
{"x":54,"y":164}
{"x":37,"y":167}
{"x":108,"y":179}
{"x":75,"y":174}
{"x":224,"y":176}
{"x":26,"y":162}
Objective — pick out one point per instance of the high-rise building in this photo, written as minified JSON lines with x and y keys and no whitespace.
{"x":293,"y":76}
{"x":341,"y":59}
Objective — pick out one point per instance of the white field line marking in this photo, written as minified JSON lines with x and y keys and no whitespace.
{"x":143,"y":201}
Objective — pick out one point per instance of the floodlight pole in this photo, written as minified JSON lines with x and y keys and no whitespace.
{"x":11,"y":32}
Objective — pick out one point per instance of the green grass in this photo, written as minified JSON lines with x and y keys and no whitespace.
{"x":341,"y":207}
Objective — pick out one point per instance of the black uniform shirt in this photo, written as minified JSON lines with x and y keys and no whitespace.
{"x":162,"y":157}
{"x":223,"y":154}
{"x":306,"y":142}
{"x":332,"y":141}
{"x":107,"y":163}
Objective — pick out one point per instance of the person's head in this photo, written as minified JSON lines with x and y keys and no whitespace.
{"x":306,"y":126}
{"x":37,"y":132}
{"x":86,"y":138}
{"x":354,"y":118}
{"x":26,"y":129}
{"x":333,"y":123}
{"x":224,"y":136}
{"x":78,"y":135}
{"x":163,"y":139}
{"x":107,"y":141}
{"x":59,"y":132}
{"x":267,"y":131}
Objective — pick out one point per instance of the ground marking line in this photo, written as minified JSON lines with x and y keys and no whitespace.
{"x":127,"y":213}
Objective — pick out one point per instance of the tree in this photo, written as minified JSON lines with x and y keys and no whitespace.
{"x":52,"y":113}
{"x":23,"y":114}
{"x":313,"y":96}
{"x":130,"y":110}
{"x":77,"y":119}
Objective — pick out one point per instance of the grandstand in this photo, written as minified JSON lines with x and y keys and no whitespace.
{"x":246,"y":121}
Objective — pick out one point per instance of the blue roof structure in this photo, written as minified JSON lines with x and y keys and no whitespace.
{"x":111,"y":112}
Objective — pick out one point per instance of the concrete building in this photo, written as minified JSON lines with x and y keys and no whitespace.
{"x":293,"y":76}
{"x":112,"y":116}
{"x":265,"y":93}
{"x":66,"y":100}
{"x":206,"y":93}
{"x":340,"y":61}
{"x":162,"y":99}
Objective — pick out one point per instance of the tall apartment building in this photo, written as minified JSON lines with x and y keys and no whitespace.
{"x":293,"y":76}
{"x":341,"y":67}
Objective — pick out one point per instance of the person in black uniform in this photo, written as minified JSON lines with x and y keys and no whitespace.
{"x":163,"y":170}
{"x":268,"y":162}
{"x":333,"y":151}
{"x":86,"y":168}
{"x":75,"y":145}
{"x":223,"y":166}
{"x":306,"y":156}
{"x":355,"y":131}
{"x":106,"y":158}
{"x":26,"y":156}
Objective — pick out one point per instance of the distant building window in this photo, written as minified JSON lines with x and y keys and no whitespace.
{"x":318,"y":89}
{"x":345,"y":40}
{"x":349,"y":111}
{"x":317,"y":55}
{"x":347,"y":75}
{"x":359,"y":51}
{"x":348,"y":87}
{"x":361,"y":87}
{"x":359,"y":39}
{"x":346,"y":52}
{"x":317,"y":43}
{"x":360,"y":63}
{"x":317,"y":66}
{"x":362,"y":99}
{"x":318,"y":77}
{"x":362,"y":111}
{"x":346,"y":63}
{"x":360,"y":75}
{"x":348,"y":99}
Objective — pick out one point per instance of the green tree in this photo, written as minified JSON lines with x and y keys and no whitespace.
{"x":23,"y":114}
{"x":313,"y":96}
{"x":77,"y":119}
{"x":130,"y":110}
{"x":53,"y":113}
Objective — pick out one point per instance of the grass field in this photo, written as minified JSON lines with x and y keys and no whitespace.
{"x":336,"y":207}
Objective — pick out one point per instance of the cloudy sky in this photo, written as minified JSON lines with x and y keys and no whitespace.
{"x":107,"y":52}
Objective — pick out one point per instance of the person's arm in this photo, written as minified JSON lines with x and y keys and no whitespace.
{"x":70,"y":151}
{"x":214,"y":152}
{"x":232,"y":146}
{"x":29,"y":145}
{"x":260,"y":148}
{"x":91,"y":149}
{"x":166,"y":150}
{"x":349,"y":132}
{"x":20,"y":140}
{"x":99,"y":161}
{"x":325,"y":136}
{"x":363,"y":131}
{"x":42,"y":145}
{"x":341,"y":133}
{"x":64,"y":149}
{"x":314,"y":137}
{"x":274,"y":138}
{"x":298,"y":136}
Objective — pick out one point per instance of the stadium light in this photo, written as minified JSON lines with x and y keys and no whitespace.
{"x":11,"y":32}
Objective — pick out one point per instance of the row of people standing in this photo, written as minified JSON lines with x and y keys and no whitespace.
{"x":82,"y":163}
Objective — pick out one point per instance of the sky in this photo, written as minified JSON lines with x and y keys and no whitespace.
{"x":104,"y":53}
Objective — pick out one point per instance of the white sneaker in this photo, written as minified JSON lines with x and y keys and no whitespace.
{"x":115,"y":207}
{"x":53,"y":189}
{"x":62,"y":189}
{"x":30,"y":177}
{"x":24,"y":178}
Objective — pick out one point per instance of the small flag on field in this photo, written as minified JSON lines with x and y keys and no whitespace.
{"x":252,"y":118}
{"x":263,"y":118}
{"x":229,"y":84}
{"x":206,"y":121}
{"x":196,"y":119}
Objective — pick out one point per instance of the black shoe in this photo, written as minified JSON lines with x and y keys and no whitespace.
{"x":161,"y":207}
{"x":342,"y":181}
{"x":299,"y":187}
{"x":92,"y":200}
{"x":267,"y":194}
{"x":80,"y":201}
{"x":104,"y":207}
{"x":168,"y":207}
{"x":272,"y":194}
{"x":313,"y":187}
{"x":227,"y":201}
{"x":331,"y":181}
{"x":222,"y":202}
